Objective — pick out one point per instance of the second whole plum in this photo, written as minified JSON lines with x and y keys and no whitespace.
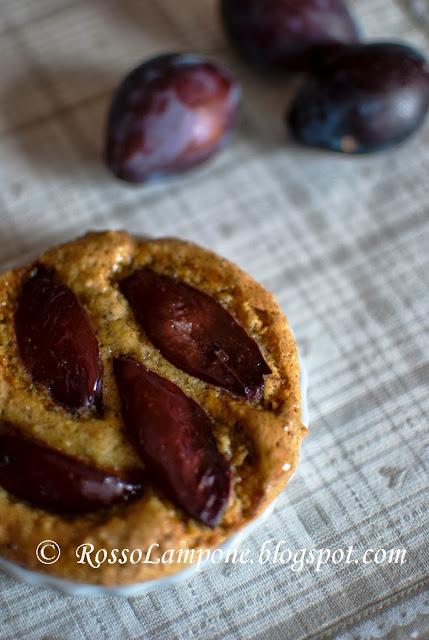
{"x":169,"y":115}
{"x":287,"y":35}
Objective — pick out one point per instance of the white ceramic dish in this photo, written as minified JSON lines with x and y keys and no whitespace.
{"x":89,"y":590}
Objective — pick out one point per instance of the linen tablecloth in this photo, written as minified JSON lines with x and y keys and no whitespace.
{"x":343,"y":243}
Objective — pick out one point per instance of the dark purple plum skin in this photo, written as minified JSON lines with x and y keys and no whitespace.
{"x":56,"y":342}
{"x":287,"y":35}
{"x":55,"y":482}
{"x":195,"y":333}
{"x":169,"y":115}
{"x":364,"y":98}
{"x":174,"y":438}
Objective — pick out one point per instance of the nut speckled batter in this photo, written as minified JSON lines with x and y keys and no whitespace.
{"x":258,"y":439}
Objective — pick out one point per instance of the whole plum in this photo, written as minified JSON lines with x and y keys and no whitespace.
{"x":287,"y":34}
{"x":168,"y":115}
{"x":362,"y":99}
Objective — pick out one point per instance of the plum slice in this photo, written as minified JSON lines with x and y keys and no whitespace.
{"x":195,"y":333}
{"x":174,"y":438}
{"x":56,"y":482}
{"x":56,"y":341}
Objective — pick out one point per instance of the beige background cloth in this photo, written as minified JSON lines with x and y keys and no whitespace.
{"x":342,"y":242}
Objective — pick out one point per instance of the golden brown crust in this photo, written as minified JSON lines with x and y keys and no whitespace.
{"x":261,"y":441}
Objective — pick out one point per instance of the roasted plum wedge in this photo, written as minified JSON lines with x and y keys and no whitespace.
{"x":174,"y":438}
{"x":168,"y":115}
{"x":196,"y":333}
{"x":56,"y":342}
{"x":287,"y":35}
{"x":362,"y":99}
{"x":55,"y":482}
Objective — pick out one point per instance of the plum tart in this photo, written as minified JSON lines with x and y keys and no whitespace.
{"x":149,"y":395}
